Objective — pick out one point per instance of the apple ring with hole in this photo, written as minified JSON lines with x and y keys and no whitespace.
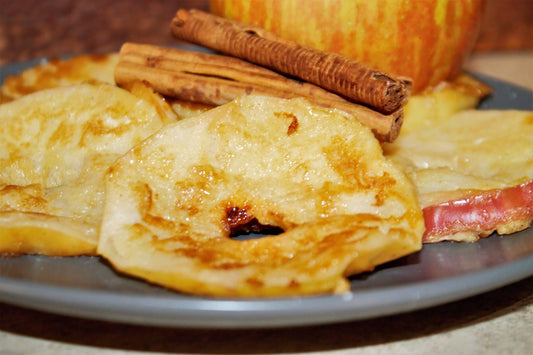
{"x":179,"y":205}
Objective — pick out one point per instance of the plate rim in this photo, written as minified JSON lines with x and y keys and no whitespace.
{"x":206,"y":312}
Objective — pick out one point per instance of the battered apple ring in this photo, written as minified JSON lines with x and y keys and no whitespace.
{"x":174,"y":202}
{"x":55,"y":148}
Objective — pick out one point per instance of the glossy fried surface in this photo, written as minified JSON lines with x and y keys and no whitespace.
{"x":87,"y":68}
{"x":174,"y":202}
{"x":465,"y":155}
{"x":55,"y":146}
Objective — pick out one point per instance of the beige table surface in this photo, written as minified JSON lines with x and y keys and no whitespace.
{"x":498,"y":322}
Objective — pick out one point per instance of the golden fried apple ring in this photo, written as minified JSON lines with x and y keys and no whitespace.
{"x":174,"y":201}
{"x":55,"y":146}
{"x":85,"y":68}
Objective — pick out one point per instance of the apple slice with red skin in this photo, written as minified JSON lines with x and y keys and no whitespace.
{"x":482,"y":213}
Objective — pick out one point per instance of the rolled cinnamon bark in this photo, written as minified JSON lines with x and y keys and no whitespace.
{"x":346,"y":77}
{"x":196,"y":65}
{"x":215,"y":79}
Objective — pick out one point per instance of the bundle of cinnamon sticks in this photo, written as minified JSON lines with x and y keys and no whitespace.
{"x":254,"y":61}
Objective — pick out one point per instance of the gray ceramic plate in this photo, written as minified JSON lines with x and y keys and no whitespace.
{"x":87,"y":287}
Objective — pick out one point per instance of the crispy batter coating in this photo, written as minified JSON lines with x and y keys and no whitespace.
{"x":55,"y":146}
{"x":174,"y":202}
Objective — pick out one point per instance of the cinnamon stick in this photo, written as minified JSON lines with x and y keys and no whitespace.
{"x":335,"y":73}
{"x":194,"y":65}
{"x":216,"y":79}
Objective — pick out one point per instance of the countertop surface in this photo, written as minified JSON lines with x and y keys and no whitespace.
{"x":496,"y":322}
